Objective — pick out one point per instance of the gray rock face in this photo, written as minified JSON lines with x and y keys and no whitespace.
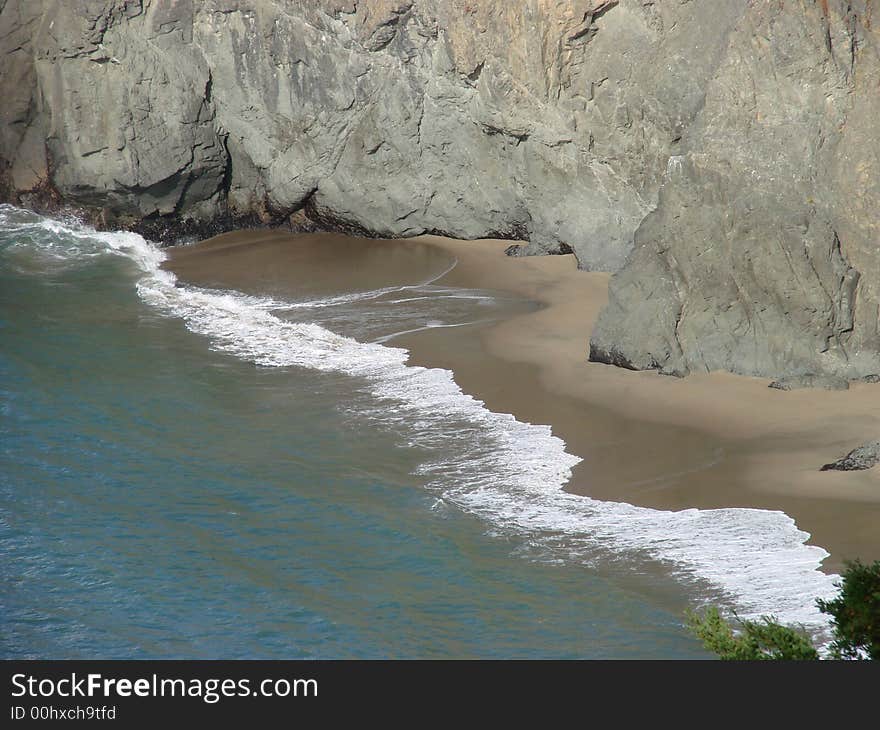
{"x":116,"y":111}
{"x":541,"y":120}
{"x":722,"y":157}
{"x":761,"y":257}
{"x":864,"y":457}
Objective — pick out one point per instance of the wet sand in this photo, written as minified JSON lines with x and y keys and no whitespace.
{"x":705,"y":441}
{"x":275,"y":263}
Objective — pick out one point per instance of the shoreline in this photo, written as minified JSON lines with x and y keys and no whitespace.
{"x":705,"y":441}
{"x":714,"y":441}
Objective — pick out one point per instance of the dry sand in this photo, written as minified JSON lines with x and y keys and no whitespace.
{"x":706,"y":441}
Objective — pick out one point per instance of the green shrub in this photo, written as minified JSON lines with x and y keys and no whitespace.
{"x":855,"y":622}
{"x":756,"y":640}
{"x":855,"y":613}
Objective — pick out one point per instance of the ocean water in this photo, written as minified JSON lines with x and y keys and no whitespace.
{"x":195,"y":473}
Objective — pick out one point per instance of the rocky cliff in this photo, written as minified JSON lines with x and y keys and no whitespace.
{"x":718,"y":154}
{"x":763,"y":253}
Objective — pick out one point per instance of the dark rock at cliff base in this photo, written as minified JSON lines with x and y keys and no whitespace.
{"x":672,"y":372}
{"x":823,"y":382}
{"x":873,"y":378}
{"x":561,"y":249}
{"x":612,"y":356}
{"x":864,"y":457}
{"x":514,"y":250}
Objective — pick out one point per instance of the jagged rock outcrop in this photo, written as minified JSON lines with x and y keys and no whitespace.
{"x":726,"y":152}
{"x":762,"y":256}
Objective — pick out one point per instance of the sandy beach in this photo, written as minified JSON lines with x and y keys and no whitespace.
{"x":705,"y":441}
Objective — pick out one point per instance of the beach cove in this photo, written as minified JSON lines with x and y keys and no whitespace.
{"x":188,"y":475}
{"x":705,"y":441}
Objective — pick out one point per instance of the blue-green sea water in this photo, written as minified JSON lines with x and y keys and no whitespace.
{"x":199,"y":474}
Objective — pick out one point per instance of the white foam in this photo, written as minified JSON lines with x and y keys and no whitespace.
{"x":431,"y":325}
{"x":353,"y":297}
{"x":507,"y":472}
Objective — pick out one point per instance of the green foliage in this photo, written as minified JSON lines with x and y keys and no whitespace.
{"x":855,"y":613}
{"x":764,"y":639}
{"x":855,"y":619}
